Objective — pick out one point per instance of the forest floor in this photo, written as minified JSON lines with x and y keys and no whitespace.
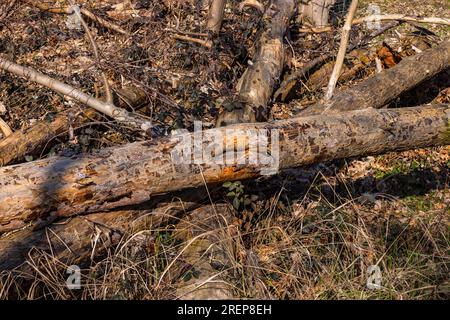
{"x":307,"y":233}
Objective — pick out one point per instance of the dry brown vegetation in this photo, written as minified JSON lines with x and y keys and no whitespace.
{"x":307,"y":233}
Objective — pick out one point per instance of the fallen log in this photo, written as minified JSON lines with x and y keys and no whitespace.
{"x":379,"y":90}
{"x":134,"y":173}
{"x":215,"y":16}
{"x":82,"y":238}
{"x":316,"y":11}
{"x":255,"y":88}
{"x":208,"y":250}
{"x":33,"y":140}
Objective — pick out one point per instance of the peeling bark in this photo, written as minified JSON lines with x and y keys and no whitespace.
{"x":256,"y":85}
{"x":134,"y":173}
{"x":71,"y":242}
{"x":379,"y":90}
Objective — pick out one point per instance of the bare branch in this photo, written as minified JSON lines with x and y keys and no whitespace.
{"x":342,"y":50}
{"x":5,"y":129}
{"x":388,"y":17}
{"x":215,"y":17}
{"x":108,"y":93}
{"x":67,"y":90}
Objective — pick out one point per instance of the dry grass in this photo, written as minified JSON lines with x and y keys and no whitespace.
{"x":309,"y":247}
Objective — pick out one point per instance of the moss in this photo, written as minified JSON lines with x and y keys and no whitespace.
{"x":421,"y":203}
{"x":446,"y":133}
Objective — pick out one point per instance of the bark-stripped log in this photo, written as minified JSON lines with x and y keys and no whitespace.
{"x":134,"y":173}
{"x":33,"y":140}
{"x":72,"y":242}
{"x":256,"y":85}
{"x":379,"y":90}
{"x":215,"y":16}
{"x":317,"y":11}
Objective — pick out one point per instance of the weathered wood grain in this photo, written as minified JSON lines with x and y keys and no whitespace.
{"x":134,"y":173}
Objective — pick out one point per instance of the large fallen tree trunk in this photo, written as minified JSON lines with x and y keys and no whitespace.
{"x":134,"y":173}
{"x":84,"y":237}
{"x":379,"y":90}
{"x":35,"y":139}
{"x":256,"y":85}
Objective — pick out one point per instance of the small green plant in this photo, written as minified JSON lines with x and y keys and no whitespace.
{"x":191,"y":273}
{"x":236,"y":192}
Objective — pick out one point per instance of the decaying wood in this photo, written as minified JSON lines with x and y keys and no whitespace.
{"x":345,"y":35}
{"x":33,"y":140}
{"x":132,"y":174}
{"x":292,"y":79}
{"x":316,"y":12}
{"x":108,"y":109}
{"x":256,"y":86}
{"x":253,"y":4}
{"x":379,"y":90}
{"x":81,"y":238}
{"x":359,"y":61}
{"x":381,"y":18}
{"x":208,"y":249}
{"x":5,"y":129}
{"x":67,"y":10}
{"x":215,"y":16}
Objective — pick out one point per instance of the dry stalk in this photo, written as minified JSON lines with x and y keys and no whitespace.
{"x":342,"y":50}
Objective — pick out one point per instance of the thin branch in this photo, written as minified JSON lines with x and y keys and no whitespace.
{"x":108,"y":94}
{"x":103,"y":22}
{"x":380,"y":18}
{"x":342,"y":50}
{"x":67,"y":90}
{"x":205,"y":43}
